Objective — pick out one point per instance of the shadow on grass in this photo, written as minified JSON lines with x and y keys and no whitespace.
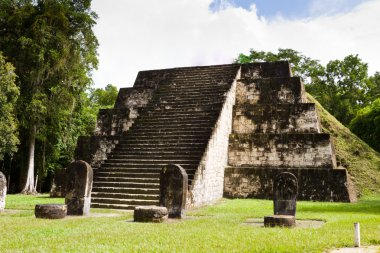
{"x":363,"y":206}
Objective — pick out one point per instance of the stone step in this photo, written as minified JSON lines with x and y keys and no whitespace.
{"x":125,"y":195}
{"x":103,"y":173}
{"x":158,"y":156}
{"x":161,"y":121}
{"x":112,"y":206}
{"x":177,"y":126}
{"x":145,"y":202}
{"x":175,"y":131}
{"x":164,"y":136}
{"x":180,"y":115}
{"x":127,"y":185}
{"x":146,"y":161}
{"x":163,"y":141}
{"x":143,"y":170}
{"x":162,"y":148}
{"x":125,"y":190}
{"x":126,"y":179}
{"x":189,"y":105}
{"x":192,"y":90}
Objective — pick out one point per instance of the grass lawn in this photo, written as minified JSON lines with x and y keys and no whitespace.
{"x":215,"y":228}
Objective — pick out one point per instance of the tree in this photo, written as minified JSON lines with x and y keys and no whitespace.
{"x":53,"y":47}
{"x":104,"y":98}
{"x":366,"y":125}
{"x":9,"y":93}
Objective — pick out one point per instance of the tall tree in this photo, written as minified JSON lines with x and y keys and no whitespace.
{"x":9,"y":93}
{"x":53,"y":47}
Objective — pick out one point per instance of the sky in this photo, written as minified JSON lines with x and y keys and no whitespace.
{"x":151,"y":34}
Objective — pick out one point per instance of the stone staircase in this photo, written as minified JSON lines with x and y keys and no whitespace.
{"x":253,"y":117}
{"x":174,"y":127}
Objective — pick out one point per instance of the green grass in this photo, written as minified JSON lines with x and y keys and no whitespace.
{"x":215,"y":228}
{"x":360,"y":160}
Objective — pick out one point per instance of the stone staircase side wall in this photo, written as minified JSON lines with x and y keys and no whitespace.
{"x":94,"y":149}
{"x":282,"y":150}
{"x":298,"y":118}
{"x":115,"y":121}
{"x":133,"y":97}
{"x":287,"y":90}
{"x":314,"y":184}
{"x":208,"y":180}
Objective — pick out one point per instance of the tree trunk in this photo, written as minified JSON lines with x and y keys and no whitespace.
{"x":29,"y":184}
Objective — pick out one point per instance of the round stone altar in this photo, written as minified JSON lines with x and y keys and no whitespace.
{"x":150,"y":214}
{"x":50,"y":211}
{"x":280,"y":221}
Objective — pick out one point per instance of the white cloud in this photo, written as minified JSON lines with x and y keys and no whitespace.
{"x":150,"y":34}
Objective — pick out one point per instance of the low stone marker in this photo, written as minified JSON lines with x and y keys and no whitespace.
{"x":58,"y":184}
{"x":150,"y":214}
{"x":50,"y":211}
{"x":285,"y":190}
{"x":3,"y":191}
{"x":79,"y":176}
{"x":173,"y":189}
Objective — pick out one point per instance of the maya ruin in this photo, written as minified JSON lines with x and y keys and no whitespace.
{"x":233,"y":128}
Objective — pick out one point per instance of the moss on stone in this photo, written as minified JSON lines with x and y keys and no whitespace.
{"x":361,"y":161}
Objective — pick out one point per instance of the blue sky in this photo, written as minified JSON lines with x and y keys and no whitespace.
{"x":292,"y":8}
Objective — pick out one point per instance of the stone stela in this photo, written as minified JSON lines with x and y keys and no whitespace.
{"x":3,"y":191}
{"x":79,"y":177}
{"x":173,"y":189}
{"x":285,"y":190}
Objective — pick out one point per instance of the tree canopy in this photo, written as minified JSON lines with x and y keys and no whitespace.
{"x":53,"y":48}
{"x":9,"y":93}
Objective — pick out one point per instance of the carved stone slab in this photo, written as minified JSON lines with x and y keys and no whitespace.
{"x":285,"y":190}
{"x":173,"y":189}
{"x":50,"y":211}
{"x":79,"y":177}
{"x":3,"y":191}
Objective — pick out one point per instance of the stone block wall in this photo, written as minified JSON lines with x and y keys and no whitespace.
{"x":94,"y":149}
{"x":280,"y":90}
{"x":284,"y":118}
{"x":314,"y":184}
{"x":281,"y":150}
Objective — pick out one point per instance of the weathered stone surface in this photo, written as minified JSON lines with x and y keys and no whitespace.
{"x":58,"y":185}
{"x":3,"y":191}
{"x":285,"y":90}
{"x":78,"y":188}
{"x":313,"y":184}
{"x":94,"y":149}
{"x":150,"y":214}
{"x":50,"y":211}
{"x":311,"y":150}
{"x":280,"y":221}
{"x":173,"y":189}
{"x":285,"y":190}
{"x":279,"y":119}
